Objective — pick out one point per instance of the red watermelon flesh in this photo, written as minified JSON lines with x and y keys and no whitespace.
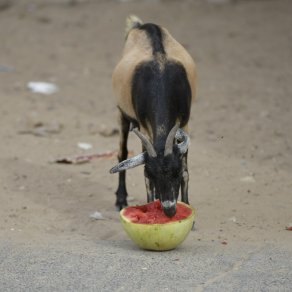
{"x":152,"y":213}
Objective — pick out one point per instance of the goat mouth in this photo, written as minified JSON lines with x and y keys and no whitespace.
{"x":169,"y":208}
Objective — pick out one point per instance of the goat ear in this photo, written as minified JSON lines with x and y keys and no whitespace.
{"x":129,"y":163}
{"x":182,"y":136}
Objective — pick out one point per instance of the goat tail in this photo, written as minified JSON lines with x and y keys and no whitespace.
{"x":132,"y":21}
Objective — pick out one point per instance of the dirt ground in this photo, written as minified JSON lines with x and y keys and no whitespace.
{"x":240,"y":157}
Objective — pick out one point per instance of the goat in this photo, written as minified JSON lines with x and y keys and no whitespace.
{"x":155,"y":84}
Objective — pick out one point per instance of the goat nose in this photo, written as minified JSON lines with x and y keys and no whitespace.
{"x":169,"y":208}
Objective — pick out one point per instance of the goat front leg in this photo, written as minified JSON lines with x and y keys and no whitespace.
{"x":149,"y":188}
{"x":185,"y":179}
{"x":121,"y":192}
{"x":149,"y":184}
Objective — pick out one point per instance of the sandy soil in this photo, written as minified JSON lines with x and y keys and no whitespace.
{"x":240,"y":157}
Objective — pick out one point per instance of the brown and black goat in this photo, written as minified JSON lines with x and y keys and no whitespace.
{"x":155,"y":84}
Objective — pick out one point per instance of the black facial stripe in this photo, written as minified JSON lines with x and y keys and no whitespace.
{"x":161,"y":97}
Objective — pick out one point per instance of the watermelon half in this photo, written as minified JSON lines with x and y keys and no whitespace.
{"x":151,"y":229}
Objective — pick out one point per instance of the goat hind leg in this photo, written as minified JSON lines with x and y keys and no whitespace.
{"x":121,"y":192}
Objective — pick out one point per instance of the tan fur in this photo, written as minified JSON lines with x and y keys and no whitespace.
{"x":137,"y":50}
{"x":175,"y":51}
{"x":131,"y":22}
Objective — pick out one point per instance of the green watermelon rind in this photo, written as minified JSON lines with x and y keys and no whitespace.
{"x":159,"y":237}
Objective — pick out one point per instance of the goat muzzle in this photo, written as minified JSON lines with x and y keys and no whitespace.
{"x":169,"y":208}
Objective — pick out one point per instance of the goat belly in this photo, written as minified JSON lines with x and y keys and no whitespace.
{"x":152,"y":213}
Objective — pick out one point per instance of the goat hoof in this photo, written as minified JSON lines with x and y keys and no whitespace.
{"x":121,"y":206}
{"x":193,"y":227}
